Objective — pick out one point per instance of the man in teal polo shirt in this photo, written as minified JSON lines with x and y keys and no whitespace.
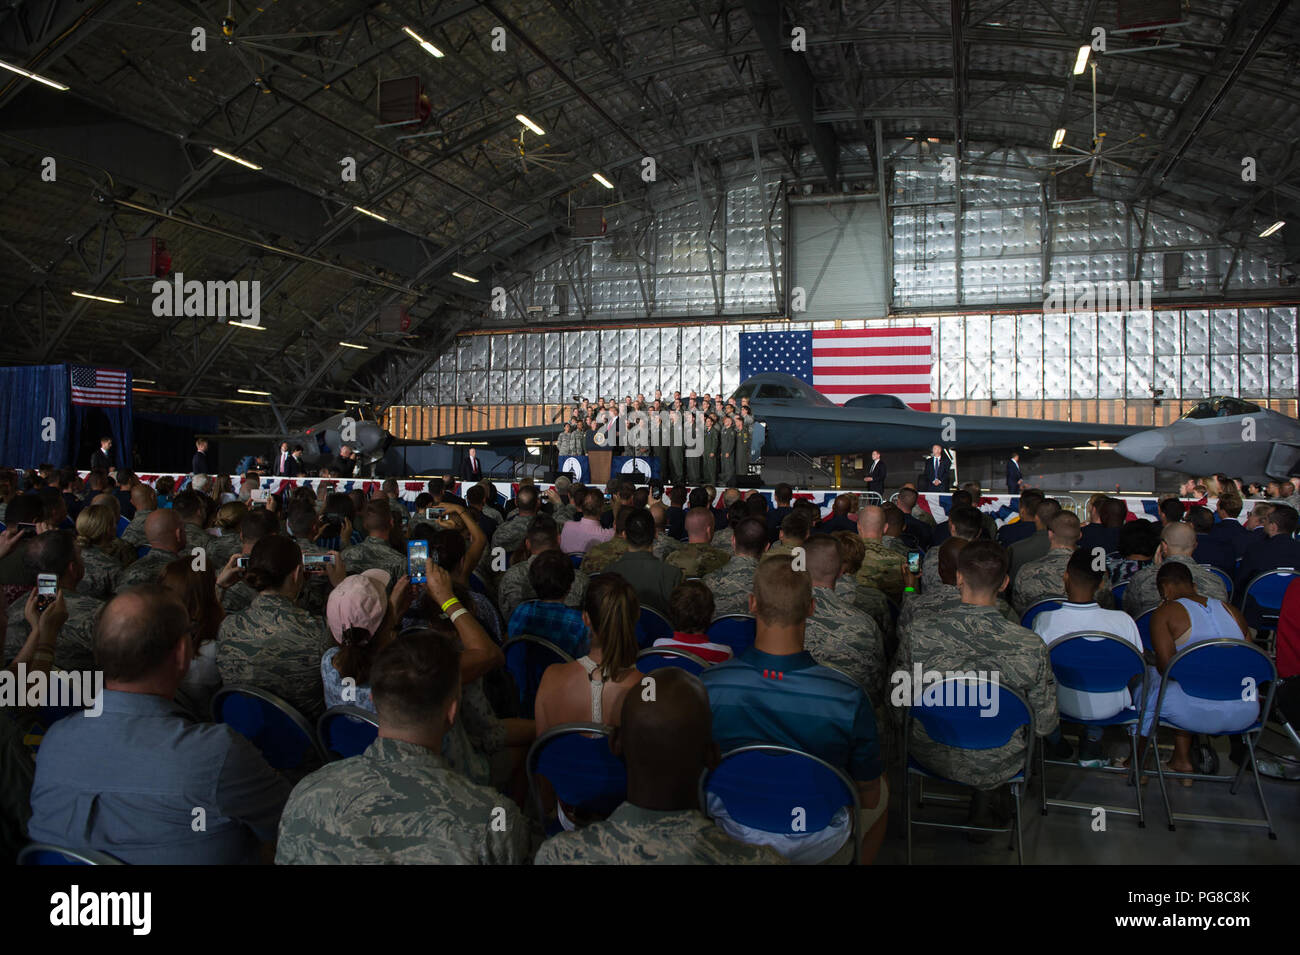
{"x":777,"y":693}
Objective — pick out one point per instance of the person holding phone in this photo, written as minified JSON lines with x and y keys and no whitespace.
{"x":362,"y":615}
{"x":54,"y":555}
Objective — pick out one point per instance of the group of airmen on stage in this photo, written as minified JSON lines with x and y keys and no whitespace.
{"x":696,"y":439}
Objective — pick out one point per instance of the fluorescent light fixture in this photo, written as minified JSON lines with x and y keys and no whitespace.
{"x":233,"y":158}
{"x":351,"y":345}
{"x":602,"y":180}
{"x":465,"y":278}
{"x":143,"y":381}
{"x":1273,"y":228}
{"x":257,"y":328}
{"x":530,"y":124}
{"x":253,"y":391}
{"x":367,"y":212}
{"x":104,"y":298}
{"x":1081,"y":61}
{"x":349,"y":401}
{"x":425,"y":44}
{"x":31,"y":76}
{"x":1058,"y":138}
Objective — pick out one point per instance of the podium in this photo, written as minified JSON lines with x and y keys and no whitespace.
{"x":599,"y":463}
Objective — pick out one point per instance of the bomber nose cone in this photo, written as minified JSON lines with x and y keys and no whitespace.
{"x":1143,"y":447}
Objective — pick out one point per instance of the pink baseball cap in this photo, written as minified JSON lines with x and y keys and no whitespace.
{"x":361,"y":600}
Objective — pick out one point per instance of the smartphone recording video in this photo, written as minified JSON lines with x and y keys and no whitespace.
{"x":47,"y":588}
{"x":417,"y":552}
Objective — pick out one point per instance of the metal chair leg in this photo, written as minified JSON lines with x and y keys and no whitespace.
{"x":1137,"y":776}
{"x":1020,"y":838}
{"x":1160,"y":776}
{"x":1042,"y":780}
{"x":907,"y":802}
{"x":1259,"y":784}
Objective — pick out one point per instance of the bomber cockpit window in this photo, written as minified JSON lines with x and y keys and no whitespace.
{"x":776,"y":391}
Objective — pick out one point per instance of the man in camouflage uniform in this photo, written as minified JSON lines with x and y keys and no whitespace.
{"x":709,"y":461}
{"x":1045,"y":578}
{"x":189,"y":508}
{"x":400,"y":801}
{"x":909,"y":502}
{"x":234,"y":593}
{"x":375,"y":551}
{"x":794,"y":531}
{"x":693,"y":427}
{"x":744,"y":440}
{"x":516,"y":587}
{"x":166,"y":539}
{"x":965,"y":524}
{"x":881,"y":568}
{"x":838,"y":634}
{"x":894,"y":530}
{"x":510,"y":535}
{"x":391,"y":495}
{"x":666,"y":744}
{"x":599,"y":556}
{"x":664,"y":544}
{"x":276,"y":646}
{"x":973,"y":636}
{"x":1177,"y":544}
{"x":144,"y":500}
{"x":732,"y":583}
{"x":698,"y":557}
{"x":56,"y":552}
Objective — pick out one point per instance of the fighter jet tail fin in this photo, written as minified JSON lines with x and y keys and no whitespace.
{"x":1283,"y":461}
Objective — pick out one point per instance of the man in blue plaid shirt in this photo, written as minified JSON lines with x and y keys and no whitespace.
{"x":551,"y":576}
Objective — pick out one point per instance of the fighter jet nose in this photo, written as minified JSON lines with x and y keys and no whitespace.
{"x":1143,"y":447}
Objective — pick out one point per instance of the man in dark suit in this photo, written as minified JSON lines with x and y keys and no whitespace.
{"x":1228,"y":529}
{"x":473,"y":470}
{"x":282,"y":458}
{"x":1278,"y":549}
{"x":199,"y":463}
{"x":293,"y":465}
{"x":876,"y":474}
{"x":1014,"y":479}
{"x":99,"y":460}
{"x":938,"y":471}
{"x":1210,"y":550}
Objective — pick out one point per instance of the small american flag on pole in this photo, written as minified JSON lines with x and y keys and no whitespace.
{"x":101,"y":387}
{"x":844,"y":363}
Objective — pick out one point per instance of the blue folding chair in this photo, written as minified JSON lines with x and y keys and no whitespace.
{"x":527,"y":658}
{"x":759,"y":786}
{"x":1095,"y":662}
{"x":584,"y":774}
{"x":40,"y":853}
{"x":269,"y":723}
{"x":1224,"y":669}
{"x":736,"y":630}
{"x":344,"y":731}
{"x":1143,"y":622}
{"x":1037,"y":607}
{"x":655,"y":658}
{"x":652,"y":626}
{"x":894,"y":611}
{"x":960,"y":722}
{"x":1117,"y":592}
{"x":576,"y":559}
{"x":1261,"y":601}
{"x":142,"y":550}
{"x":476,"y":583}
{"x":1223,"y":576}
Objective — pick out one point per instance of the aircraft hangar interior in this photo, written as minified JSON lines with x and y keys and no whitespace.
{"x":826,"y":346}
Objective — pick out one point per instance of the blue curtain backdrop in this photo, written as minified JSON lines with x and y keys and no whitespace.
{"x":30,"y":395}
{"x":119,"y":425}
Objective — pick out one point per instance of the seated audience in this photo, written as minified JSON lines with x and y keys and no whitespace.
{"x":516,"y":585}
{"x":55,"y":552}
{"x":1036,"y":545}
{"x":651,"y":578}
{"x":273,"y":644}
{"x":838,"y":634}
{"x":376,"y":551}
{"x":775,"y":692}
{"x":550,"y":574}
{"x":129,"y":781}
{"x":578,"y":535}
{"x":795,"y":528}
{"x":401,"y":801}
{"x":882,"y":568}
{"x":964,"y":522}
{"x":1209,"y":550}
{"x":600,"y":556}
{"x":974,"y":636}
{"x":221,"y":545}
{"x":190,"y":508}
{"x":1277,"y":549}
{"x":1177,"y":544}
{"x":1104,"y":533}
{"x":1041,"y":579}
{"x":1228,"y":529}
{"x":666,"y":743}
{"x":698,"y":557}
{"x":103,"y":570}
{"x":1138,"y":542}
{"x":362,"y":615}
{"x":197,"y":592}
{"x":166,"y":537}
{"x":1011,"y":533}
{"x":691,"y":611}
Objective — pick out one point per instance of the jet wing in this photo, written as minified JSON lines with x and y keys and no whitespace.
{"x":503,"y":437}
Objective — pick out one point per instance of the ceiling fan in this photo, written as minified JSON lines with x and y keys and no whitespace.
{"x":1100,"y":154}
{"x":537,"y":154}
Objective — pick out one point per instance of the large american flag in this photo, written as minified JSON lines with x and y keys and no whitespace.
{"x":101,"y":387}
{"x":844,"y":363}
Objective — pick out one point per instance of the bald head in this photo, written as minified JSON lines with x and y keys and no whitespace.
{"x":136,"y":637}
{"x":163,"y":529}
{"x":871,"y":522}
{"x":699,"y":525}
{"x":1179,"y":539}
{"x":143,"y":498}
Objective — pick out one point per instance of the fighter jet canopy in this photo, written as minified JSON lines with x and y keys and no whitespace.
{"x":1221,"y":406}
{"x":771,"y":385}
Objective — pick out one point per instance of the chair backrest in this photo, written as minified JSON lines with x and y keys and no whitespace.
{"x":1094,"y":662}
{"x":1223,"y":576}
{"x":344,"y":731}
{"x":141,"y":551}
{"x":736,"y":630}
{"x":527,"y":658}
{"x":1034,"y":609}
{"x":1117,"y":592}
{"x":576,"y":559}
{"x":1224,"y":669}
{"x":1143,"y":622}
{"x":1262,"y":600}
{"x":576,"y":760}
{"x":476,"y":582}
{"x":960,"y":720}
{"x":39,"y":853}
{"x":655,"y":658}
{"x":268,"y":722}
{"x":652,"y":626}
{"x":760,"y":786}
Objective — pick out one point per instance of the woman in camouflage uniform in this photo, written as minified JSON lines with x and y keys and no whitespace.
{"x":95,"y":533}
